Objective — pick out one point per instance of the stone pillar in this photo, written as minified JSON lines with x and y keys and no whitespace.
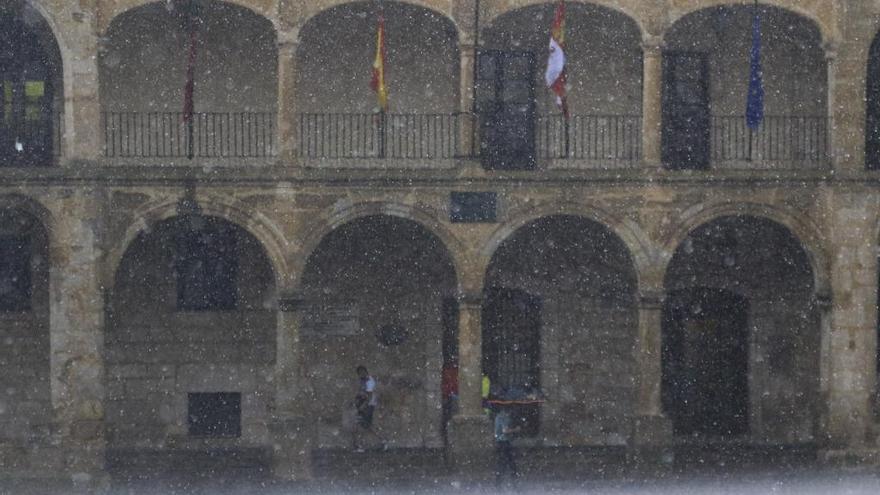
{"x":652,"y":87}
{"x":467,"y":118}
{"x":835,"y":147}
{"x":81,"y":126}
{"x":291,"y":428}
{"x":652,"y":431}
{"x":76,"y":320}
{"x":848,"y":340}
{"x":287,"y":119}
{"x":470,"y":435}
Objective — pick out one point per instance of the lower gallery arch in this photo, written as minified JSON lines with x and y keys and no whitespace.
{"x":741,"y":335}
{"x":560,"y":314}
{"x":378,"y":292}
{"x":190,"y":347}
{"x":25,"y":404}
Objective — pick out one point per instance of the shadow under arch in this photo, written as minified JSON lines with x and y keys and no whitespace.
{"x":269,"y":236}
{"x":826,"y":31}
{"x":639,"y":247}
{"x":126,"y":7}
{"x":379,"y":290}
{"x":559,"y":313}
{"x":424,"y":218}
{"x":436,"y":7}
{"x":741,"y":333}
{"x":615,"y":9}
{"x":805,"y":231}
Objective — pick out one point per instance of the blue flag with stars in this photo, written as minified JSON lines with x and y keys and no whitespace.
{"x":755,"y":103}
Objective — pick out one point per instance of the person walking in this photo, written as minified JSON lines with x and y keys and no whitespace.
{"x":365,"y":403}
{"x":504,"y":460}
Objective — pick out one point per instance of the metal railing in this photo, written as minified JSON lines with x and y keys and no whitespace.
{"x":780,"y":141}
{"x":606,"y":138}
{"x":377,"y":135}
{"x":31,"y":142}
{"x":167,"y":135}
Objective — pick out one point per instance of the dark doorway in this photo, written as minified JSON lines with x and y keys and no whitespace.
{"x":685,"y":104}
{"x":705,"y":362}
{"x":506,"y":105}
{"x":512,"y":349}
{"x":872,"y":116}
{"x":26,"y":95}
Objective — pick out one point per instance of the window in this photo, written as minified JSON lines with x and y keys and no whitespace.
{"x":15,"y":273}
{"x":215,"y":414}
{"x":206,"y":267}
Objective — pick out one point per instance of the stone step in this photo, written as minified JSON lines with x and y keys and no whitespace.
{"x":395,"y":463}
{"x":231,"y":463}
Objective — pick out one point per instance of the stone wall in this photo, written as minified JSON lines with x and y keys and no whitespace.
{"x":156,"y":354}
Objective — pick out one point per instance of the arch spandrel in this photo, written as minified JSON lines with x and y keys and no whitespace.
{"x":640,"y":248}
{"x":807,"y":233}
{"x":327,"y":223}
{"x":819,"y":12}
{"x":267,"y":234}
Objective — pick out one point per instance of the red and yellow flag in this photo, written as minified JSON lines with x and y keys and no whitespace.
{"x":555,"y":74}
{"x":378,"y":81}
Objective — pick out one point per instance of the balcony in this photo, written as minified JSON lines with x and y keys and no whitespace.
{"x":781,"y":142}
{"x":211,"y":137}
{"x":31,"y":142}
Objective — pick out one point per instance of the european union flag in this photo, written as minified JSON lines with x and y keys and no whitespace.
{"x":755,"y":103}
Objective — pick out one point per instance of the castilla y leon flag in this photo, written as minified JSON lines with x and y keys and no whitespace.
{"x":378,"y":81}
{"x":555,"y":74}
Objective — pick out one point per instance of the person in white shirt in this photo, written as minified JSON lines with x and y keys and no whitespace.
{"x":365,"y":403}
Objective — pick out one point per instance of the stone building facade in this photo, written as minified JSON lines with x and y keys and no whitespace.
{"x":728,"y":293}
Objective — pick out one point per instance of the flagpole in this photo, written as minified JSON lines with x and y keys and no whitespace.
{"x":190,"y":82}
{"x":381,"y":12}
{"x":751,"y":131}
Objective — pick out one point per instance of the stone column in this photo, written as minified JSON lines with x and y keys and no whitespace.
{"x":470,"y":435}
{"x":81,"y":125}
{"x":291,"y":428}
{"x":467,"y":118}
{"x":287,"y":119}
{"x":834,"y":146}
{"x":652,"y":431}
{"x":652,"y":87}
{"x":849,"y":319}
{"x":76,"y":320}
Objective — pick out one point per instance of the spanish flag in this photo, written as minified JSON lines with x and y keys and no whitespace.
{"x":555,"y":74}
{"x":378,"y":81}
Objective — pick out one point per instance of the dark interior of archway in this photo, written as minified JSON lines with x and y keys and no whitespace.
{"x":872,"y":116}
{"x":30,"y":86}
{"x":705,"y":362}
{"x":378,"y":291}
{"x":25,"y":409}
{"x":740,"y":296}
{"x":572,"y":275}
{"x":192,"y":311}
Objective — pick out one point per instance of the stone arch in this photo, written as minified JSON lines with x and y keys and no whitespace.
{"x":438,"y":7}
{"x":642,"y":250}
{"x":338,"y":42}
{"x":126,"y":6}
{"x":379,"y":290}
{"x":823,"y":23}
{"x":560,"y":310}
{"x":256,"y":224}
{"x":140,"y":47}
{"x":32,"y":207}
{"x":742,"y":303}
{"x":424,"y":218}
{"x":632,"y":10}
{"x":805,"y":231}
